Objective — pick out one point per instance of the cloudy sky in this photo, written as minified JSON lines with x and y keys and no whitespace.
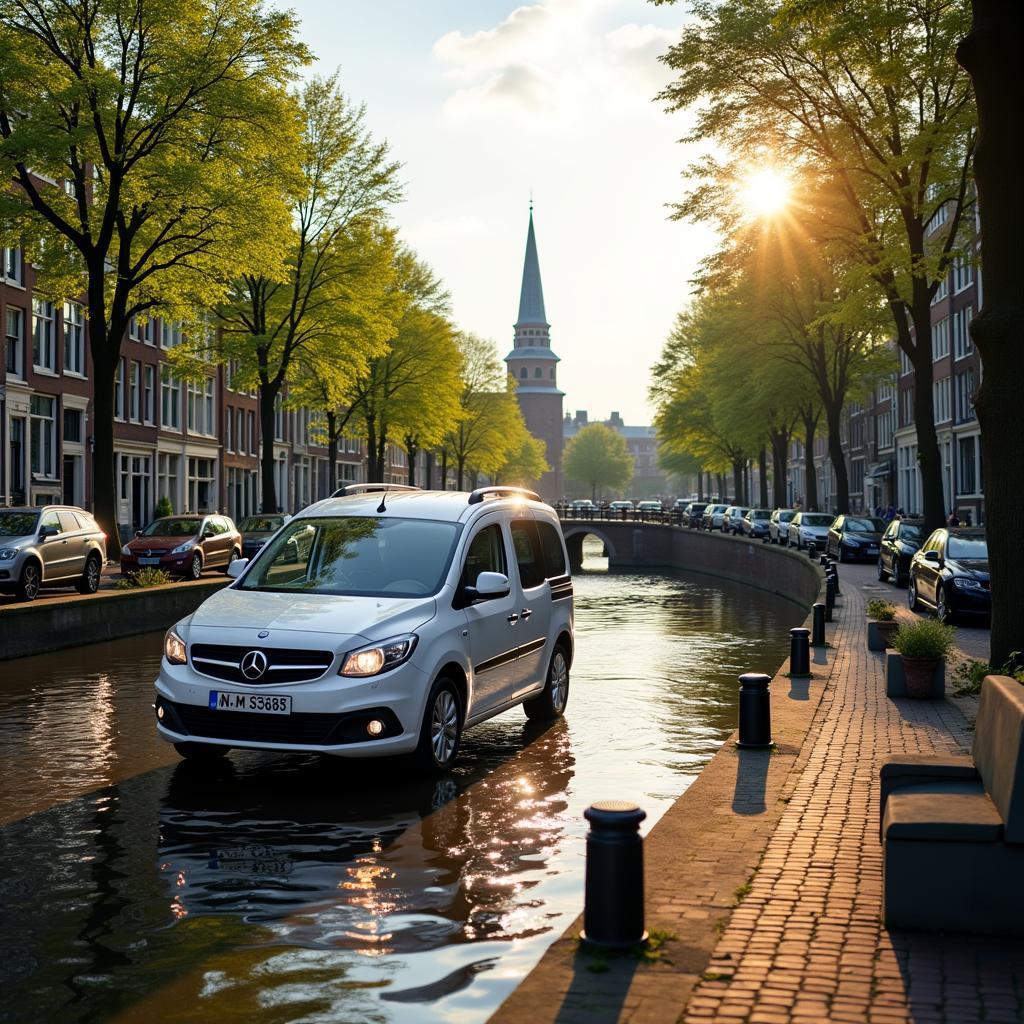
{"x":484,"y":101}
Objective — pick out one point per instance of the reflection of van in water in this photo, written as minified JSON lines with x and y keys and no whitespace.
{"x":382,"y":622}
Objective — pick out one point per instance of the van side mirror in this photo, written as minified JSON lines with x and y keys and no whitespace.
{"x":931,"y":556}
{"x":489,"y":585}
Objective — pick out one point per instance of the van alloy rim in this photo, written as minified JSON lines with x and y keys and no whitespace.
{"x":559,"y":681}
{"x":444,"y":727}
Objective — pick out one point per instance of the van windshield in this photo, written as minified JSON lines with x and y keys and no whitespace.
{"x":357,"y":555}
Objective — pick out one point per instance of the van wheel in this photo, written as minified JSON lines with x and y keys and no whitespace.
{"x":550,"y":703}
{"x":201,"y":751}
{"x":441,"y":732}
{"x":28,"y":581}
{"x":90,"y":580}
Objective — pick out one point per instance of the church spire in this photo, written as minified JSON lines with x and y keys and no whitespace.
{"x":531,"y":295}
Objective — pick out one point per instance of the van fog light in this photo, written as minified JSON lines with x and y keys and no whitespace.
{"x":375,"y":727}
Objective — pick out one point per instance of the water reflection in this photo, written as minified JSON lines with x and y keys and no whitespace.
{"x":284,"y":888}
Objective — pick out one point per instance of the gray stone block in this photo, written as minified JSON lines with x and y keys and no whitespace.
{"x":896,"y":683}
{"x":878,"y":640}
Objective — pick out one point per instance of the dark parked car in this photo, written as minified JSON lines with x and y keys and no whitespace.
{"x":755,"y":523}
{"x":257,"y":530}
{"x":950,"y":574}
{"x":778,"y":525}
{"x":899,"y":542}
{"x":184,"y":545}
{"x":853,"y":538}
{"x":694,"y":513}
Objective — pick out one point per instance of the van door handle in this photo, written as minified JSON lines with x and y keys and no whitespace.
{"x":513,"y":619}
{"x":527,"y":612}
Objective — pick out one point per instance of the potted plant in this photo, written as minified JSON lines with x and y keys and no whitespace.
{"x":922,"y":646}
{"x":882,"y":616}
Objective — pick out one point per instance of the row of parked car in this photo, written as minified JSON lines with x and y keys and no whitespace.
{"x":945,"y":571}
{"x":61,"y":545}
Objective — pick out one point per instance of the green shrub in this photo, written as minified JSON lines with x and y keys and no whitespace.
{"x":970,"y":675}
{"x":926,"y":638}
{"x":148,"y":577}
{"x":164,"y":508}
{"x":883,"y":611}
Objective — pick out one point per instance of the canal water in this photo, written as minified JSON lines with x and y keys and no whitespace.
{"x":137,"y":888}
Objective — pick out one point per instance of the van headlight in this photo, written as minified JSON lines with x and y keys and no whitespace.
{"x":174,"y":648}
{"x":377,"y":658}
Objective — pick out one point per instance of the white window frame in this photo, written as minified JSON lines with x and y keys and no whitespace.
{"x":74,"y":339}
{"x":14,"y":343}
{"x":43,"y":336}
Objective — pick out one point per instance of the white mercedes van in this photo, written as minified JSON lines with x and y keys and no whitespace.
{"x":385,"y":621}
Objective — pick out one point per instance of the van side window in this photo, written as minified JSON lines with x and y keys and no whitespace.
{"x":551,"y":545}
{"x":528,"y":554}
{"x":486,"y":554}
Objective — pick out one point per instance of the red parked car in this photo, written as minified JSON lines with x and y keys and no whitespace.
{"x":184,"y":545}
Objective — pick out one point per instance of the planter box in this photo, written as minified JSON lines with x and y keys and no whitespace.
{"x":878,"y":639}
{"x":896,"y":685}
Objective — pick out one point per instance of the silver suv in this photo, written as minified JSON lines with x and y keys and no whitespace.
{"x":54,"y":544}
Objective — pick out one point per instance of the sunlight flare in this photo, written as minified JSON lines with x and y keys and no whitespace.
{"x":765,"y":191}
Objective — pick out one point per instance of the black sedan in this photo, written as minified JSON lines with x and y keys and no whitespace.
{"x":950,"y":574}
{"x":901,"y":539}
{"x":854,"y":537}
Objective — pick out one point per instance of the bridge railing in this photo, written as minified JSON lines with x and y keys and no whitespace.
{"x":621,"y":515}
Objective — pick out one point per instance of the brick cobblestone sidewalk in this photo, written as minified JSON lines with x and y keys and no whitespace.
{"x":807,"y":943}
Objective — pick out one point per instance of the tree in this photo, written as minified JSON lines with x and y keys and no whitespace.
{"x":486,"y":426}
{"x":330,"y":308}
{"x":597,"y":456}
{"x":148,"y":149}
{"x":868,"y":95}
{"x":991,"y":53}
{"x":411,"y":391}
{"x":525,"y":462}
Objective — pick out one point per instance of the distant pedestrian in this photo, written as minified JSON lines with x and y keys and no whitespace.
{"x":954,"y":519}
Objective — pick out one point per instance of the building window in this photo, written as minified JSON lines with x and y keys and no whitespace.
{"x":149,"y":394}
{"x":538,"y":372}
{"x":200,"y":407}
{"x":278,"y":420}
{"x":44,"y":354}
{"x":908,"y":478}
{"x":74,"y":338}
{"x":229,"y":421}
{"x":149,"y":332}
{"x":963,"y":273}
{"x":170,"y":334}
{"x":252,"y":432}
{"x":119,"y":389}
{"x":961,"y":332}
{"x":133,"y":328}
{"x":134,"y":391}
{"x":906,"y":367}
{"x":201,"y":482}
{"x":522,"y":373}
{"x":940,"y":338}
{"x":906,"y":407}
{"x":167,"y":477}
{"x":12,"y":265}
{"x":15,"y":341}
{"x":940,"y":400}
{"x":241,"y":438}
{"x":942,"y":292}
{"x":965,"y":396}
{"x":43,"y":436}
{"x":883,"y":429}
{"x":170,"y":400}
{"x":967,"y":474}
{"x":72,"y":425}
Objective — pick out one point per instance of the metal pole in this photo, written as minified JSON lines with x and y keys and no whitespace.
{"x":613,"y":911}
{"x":799,"y":652}
{"x":755,"y":711}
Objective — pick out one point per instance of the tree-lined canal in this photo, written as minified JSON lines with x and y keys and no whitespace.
{"x":297,"y":888}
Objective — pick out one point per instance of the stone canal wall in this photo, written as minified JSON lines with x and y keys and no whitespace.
{"x":53,"y":623}
{"x":632,"y":545}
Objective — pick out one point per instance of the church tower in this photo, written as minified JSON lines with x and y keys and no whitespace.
{"x":533,"y":365}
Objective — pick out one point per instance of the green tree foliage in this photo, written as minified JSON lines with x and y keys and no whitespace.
{"x":148,"y":149}
{"x":526,"y":462}
{"x":412,"y":389}
{"x":320,"y":323}
{"x":866,"y":99}
{"x":597,"y":456}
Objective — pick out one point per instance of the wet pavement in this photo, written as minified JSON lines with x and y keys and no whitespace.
{"x":134,"y":887}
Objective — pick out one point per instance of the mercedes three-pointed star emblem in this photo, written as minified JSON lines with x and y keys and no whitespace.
{"x":253,"y":664}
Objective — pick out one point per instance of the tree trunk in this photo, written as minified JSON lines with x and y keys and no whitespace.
{"x":990,"y":53}
{"x":833,"y":417}
{"x":268,"y":395}
{"x":928,"y":457}
{"x":411,"y":451}
{"x":104,"y":478}
{"x":737,"y":481}
{"x":700,"y":484}
{"x":428,"y":480}
{"x":721,"y":487}
{"x":780,"y":452}
{"x":373,"y":474}
{"x":332,"y":452}
{"x":444,"y":469}
{"x":811,"y":497}
{"x":460,"y":467}
{"x":762,"y":467}
{"x":382,"y":454}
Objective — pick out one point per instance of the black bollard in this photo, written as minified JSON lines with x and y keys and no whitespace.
{"x":811,"y":551}
{"x":833,"y":571}
{"x":613,"y":910}
{"x":830,"y":598}
{"x":799,"y":652}
{"x":755,"y":711}
{"x":818,"y":622}
{"x":823,"y":561}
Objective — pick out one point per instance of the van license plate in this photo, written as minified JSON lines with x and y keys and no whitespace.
{"x":259,"y":703}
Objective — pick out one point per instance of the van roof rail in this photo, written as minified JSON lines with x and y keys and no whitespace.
{"x":341,"y":492}
{"x":502,"y":492}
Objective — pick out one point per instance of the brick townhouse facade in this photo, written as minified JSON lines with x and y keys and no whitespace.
{"x":196,"y":443}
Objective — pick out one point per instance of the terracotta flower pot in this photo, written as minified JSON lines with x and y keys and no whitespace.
{"x":918,"y":673}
